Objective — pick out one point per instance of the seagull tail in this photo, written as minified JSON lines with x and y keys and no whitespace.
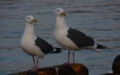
{"x":99,"y":46}
{"x":57,"y":50}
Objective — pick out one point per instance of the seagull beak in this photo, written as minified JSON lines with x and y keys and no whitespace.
{"x":34,"y":20}
{"x":63,"y":14}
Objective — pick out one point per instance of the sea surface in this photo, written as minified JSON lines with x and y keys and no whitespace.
{"x":97,"y":18}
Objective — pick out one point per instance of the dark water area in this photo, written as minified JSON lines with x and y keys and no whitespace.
{"x":97,"y":18}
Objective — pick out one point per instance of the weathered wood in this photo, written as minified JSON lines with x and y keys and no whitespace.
{"x":64,"y":69}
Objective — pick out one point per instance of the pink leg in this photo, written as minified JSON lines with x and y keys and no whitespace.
{"x":73,"y":54}
{"x":68,"y":60}
{"x":35,"y":64}
{"x":33,"y":61}
{"x":69,"y":52}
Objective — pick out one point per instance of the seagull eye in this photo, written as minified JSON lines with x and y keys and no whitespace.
{"x":57,"y":10}
{"x":28,"y":17}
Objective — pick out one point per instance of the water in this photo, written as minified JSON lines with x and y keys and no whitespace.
{"x":97,"y":18}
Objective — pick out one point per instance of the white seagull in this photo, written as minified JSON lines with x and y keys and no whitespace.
{"x":34,"y":45}
{"x":70,"y":38}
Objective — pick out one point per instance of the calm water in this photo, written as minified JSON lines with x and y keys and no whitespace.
{"x":97,"y":18}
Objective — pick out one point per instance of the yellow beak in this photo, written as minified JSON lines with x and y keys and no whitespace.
{"x":63,"y":14}
{"x":34,"y":20}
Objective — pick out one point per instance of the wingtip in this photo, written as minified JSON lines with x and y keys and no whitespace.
{"x":99,"y":46}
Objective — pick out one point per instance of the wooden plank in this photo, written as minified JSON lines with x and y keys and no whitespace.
{"x":64,"y":69}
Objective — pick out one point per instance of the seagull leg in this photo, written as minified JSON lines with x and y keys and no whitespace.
{"x":33,"y":61}
{"x":69,"y":52}
{"x":37,"y":62}
{"x":73,"y":55}
{"x":34,"y":64}
{"x":69,"y":57}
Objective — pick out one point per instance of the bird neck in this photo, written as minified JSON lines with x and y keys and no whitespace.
{"x":29,"y":30}
{"x":60,"y":22}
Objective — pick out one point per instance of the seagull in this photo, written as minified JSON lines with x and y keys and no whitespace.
{"x":72,"y":39}
{"x":34,"y":45}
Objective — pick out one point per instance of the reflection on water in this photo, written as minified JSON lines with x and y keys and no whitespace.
{"x":98,"y":18}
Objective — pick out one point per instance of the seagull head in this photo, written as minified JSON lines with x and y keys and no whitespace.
{"x":30,"y":19}
{"x":60,"y":12}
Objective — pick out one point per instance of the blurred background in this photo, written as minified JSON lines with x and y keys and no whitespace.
{"x":97,"y":18}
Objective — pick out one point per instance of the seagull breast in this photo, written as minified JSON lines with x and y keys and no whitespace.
{"x":28,"y":45}
{"x":63,"y":40}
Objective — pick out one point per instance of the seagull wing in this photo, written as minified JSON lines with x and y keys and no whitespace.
{"x":43,"y":45}
{"x":79,"y":38}
{"x":46,"y":47}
